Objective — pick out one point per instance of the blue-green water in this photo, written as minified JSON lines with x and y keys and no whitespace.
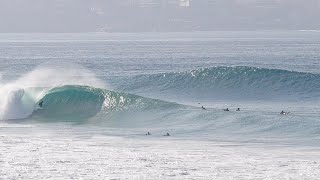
{"x":158,"y":81}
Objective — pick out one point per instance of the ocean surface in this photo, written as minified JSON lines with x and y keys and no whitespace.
{"x":100,"y":93}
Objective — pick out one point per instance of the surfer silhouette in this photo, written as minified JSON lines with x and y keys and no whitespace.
{"x":203,"y":108}
{"x":284,"y":113}
{"x":40,"y":104}
{"x":148,"y":134}
{"x":167,"y":134}
{"x":238,"y":109}
{"x":226,"y":109}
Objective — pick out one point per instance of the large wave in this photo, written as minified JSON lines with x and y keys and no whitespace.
{"x":92,"y":104}
{"x":85,"y":104}
{"x":227,"y":83}
{"x":75,"y":102}
{"x":18,"y":97}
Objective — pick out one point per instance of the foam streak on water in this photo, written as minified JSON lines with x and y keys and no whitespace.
{"x":79,"y":153}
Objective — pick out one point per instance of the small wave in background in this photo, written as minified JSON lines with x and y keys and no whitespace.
{"x":228,"y":83}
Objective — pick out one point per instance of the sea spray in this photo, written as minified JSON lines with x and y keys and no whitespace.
{"x":19,"y":97}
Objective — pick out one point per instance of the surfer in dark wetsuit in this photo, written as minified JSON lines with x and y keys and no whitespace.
{"x":226,"y":109}
{"x":40,"y":104}
{"x":148,"y":134}
{"x":167,"y":134}
{"x":283,"y":113}
{"x":203,"y":108}
{"x":238,"y":109}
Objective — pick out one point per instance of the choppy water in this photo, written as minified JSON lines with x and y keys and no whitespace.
{"x":128,"y":84}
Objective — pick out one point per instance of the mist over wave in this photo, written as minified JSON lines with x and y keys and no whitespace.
{"x":19,"y":97}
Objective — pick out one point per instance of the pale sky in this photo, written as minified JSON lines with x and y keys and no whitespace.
{"x":156,"y":15}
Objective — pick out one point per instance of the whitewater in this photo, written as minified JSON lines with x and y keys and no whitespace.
{"x":80,"y":105}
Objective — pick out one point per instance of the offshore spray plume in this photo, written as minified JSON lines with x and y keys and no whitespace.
{"x":19,"y":97}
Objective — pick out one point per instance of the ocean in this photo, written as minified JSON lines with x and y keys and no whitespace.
{"x":79,"y":106}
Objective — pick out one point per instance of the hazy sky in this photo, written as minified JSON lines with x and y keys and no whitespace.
{"x":156,"y":15}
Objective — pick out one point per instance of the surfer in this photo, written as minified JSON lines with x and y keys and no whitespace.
{"x":167,"y":134}
{"x":148,"y":134}
{"x":226,"y":109}
{"x":284,"y":113}
{"x":238,"y":109}
{"x":40,"y":103}
{"x":203,"y":108}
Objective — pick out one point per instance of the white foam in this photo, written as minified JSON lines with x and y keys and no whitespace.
{"x":68,"y":152}
{"x":18,"y":98}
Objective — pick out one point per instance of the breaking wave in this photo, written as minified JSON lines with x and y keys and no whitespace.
{"x":92,"y":104}
{"x":74,"y":102}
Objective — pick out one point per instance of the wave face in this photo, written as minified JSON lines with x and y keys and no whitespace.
{"x":233,"y":83}
{"x":71,"y":102}
{"x":88,"y":104}
{"x":85,"y":104}
{"x":75,"y":102}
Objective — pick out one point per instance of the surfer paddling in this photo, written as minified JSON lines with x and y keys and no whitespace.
{"x":203,"y":108}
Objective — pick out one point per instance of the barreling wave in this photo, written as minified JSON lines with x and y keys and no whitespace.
{"x":75,"y":102}
{"x":89,"y":104}
{"x":85,"y":104}
{"x":70,"y":102}
{"x":233,"y":83}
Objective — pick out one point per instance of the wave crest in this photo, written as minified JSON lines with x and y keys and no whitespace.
{"x":75,"y":102}
{"x":233,"y":83}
